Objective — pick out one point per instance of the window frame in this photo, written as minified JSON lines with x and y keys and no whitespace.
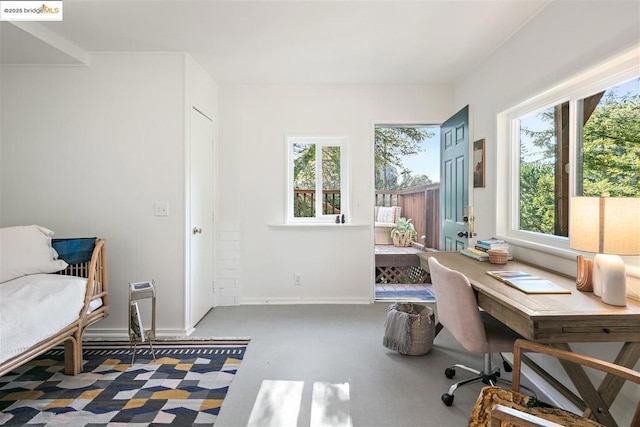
{"x":320,"y":141}
{"x":620,"y":69}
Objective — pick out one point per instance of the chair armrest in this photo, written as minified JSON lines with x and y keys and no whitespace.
{"x":501,"y":413}
{"x":622,"y":372}
{"x":591,"y":362}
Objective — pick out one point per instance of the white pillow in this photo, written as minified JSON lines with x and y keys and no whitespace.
{"x":386,"y":214}
{"x":27,"y":250}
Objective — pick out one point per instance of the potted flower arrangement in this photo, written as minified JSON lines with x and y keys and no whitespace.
{"x":403,"y":233}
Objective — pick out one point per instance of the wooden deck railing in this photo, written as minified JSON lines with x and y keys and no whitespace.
{"x":422,"y":205}
{"x":304,"y":202}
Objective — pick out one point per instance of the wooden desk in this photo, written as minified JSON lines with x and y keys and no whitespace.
{"x":556,"y":319}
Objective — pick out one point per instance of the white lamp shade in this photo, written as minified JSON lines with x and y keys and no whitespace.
{"x":606,"y":225}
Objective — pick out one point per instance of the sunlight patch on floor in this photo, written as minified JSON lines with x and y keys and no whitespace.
{"x":278,"y":404}
{"x":330,"y":405}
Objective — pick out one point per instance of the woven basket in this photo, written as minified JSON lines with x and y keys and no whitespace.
{"x":498,"y":256}
{"x":423,"y":328}
{"x":401,"y":239}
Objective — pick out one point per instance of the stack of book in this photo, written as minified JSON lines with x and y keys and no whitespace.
{"x":492,"y":243}
{"x":475,"y":254}
{"x":482,"y":247}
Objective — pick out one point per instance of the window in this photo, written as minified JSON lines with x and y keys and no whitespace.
{"x":543,"y":147}
{"x":581,"y":138}
{"x":317,"y":166}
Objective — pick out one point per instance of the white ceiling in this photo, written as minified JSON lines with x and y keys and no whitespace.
{"x":319,"y":42}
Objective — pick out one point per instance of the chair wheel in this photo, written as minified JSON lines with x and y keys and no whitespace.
{"x":449,"y":373}
{"x":447,"y":399}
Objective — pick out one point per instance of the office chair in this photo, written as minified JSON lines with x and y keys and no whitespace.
{"x":475,"y":330}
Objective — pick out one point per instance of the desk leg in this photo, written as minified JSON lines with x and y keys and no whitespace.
{"x":609,"y":388}
{"x":611,"y":384}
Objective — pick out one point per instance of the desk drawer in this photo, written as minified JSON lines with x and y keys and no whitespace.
{"x":601,"y":330}
{"x":554,"y":332}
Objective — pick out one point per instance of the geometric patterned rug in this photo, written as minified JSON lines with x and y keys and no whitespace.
{"x":184,"y":386}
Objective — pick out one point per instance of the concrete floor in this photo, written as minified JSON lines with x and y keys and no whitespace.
{"x":324,"y":365}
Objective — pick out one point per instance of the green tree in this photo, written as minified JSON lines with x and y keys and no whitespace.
{"x":542,"y":138}
{"x":415,"y":180}
{"x":304,"y":166}
{"x":611,"y":144}
{"x":391,"y":145}
{"x":610,"y":159}
{"x":536,"y":198}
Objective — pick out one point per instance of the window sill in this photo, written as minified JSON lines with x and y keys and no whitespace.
{"x":545,"y":248}
{"x":317,"y":226}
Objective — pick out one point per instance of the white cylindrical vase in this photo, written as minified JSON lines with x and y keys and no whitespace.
{"x":609,"y":279}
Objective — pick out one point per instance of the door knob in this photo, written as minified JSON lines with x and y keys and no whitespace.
{"x":463,"y":234}
{"x":197,"y":230}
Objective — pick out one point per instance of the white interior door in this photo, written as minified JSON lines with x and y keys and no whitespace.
{"x":454,"y":181}
{"x":201,"y":218}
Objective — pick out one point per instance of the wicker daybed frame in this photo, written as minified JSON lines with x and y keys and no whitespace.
{"x":95,"y":271}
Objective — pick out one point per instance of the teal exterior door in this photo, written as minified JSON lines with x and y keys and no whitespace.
{"x":454,"y":180}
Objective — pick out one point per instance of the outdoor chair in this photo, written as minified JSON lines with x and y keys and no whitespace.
{"x":385,"y":219}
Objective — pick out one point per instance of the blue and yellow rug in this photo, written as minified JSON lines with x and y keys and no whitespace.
{"x":416,"y":294}
{"x":184,"y":386}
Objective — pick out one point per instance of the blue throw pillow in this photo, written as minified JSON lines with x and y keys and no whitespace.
{"x":74,"y":251}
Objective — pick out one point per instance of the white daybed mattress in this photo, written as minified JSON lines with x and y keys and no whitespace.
{"x":36,"y":307}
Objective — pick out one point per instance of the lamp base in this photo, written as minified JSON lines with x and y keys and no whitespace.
{"x":583,"y":276}
{"x":609,"y":279}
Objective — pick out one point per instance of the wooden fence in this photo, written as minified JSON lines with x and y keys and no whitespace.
{"x":420,"y":204}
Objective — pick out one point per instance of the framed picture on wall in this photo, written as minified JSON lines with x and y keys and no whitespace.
{"x":478,"y":164}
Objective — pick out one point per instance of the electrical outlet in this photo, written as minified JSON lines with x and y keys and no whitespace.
{"x":161,"y":209}
{"x":297,"y":278}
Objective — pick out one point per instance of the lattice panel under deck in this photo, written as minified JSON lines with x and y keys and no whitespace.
{"x":401,"y":275}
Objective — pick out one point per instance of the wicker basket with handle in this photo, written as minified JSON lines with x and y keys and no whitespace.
{"x":423,"y":327}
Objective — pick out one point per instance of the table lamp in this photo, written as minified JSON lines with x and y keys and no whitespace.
{"x":610,"y":227}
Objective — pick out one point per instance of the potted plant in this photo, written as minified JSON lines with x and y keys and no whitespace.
{"x":403,"y":233}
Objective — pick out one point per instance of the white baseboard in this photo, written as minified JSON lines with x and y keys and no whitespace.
{"x":123,"y":334}
{"x":293,"y":301}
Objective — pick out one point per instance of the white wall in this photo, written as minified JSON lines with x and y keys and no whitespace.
{"x":563,"y":40}
{"x":336,"y":263}
{"x":86,"y":151}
